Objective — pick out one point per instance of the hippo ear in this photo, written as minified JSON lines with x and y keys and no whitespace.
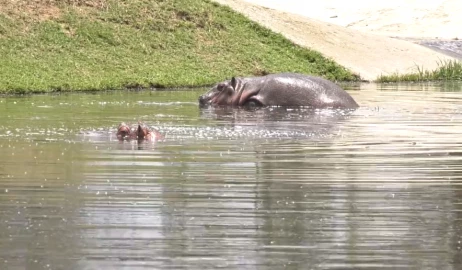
{"x":234,"y":82}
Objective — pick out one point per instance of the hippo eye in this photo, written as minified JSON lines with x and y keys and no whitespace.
{"x":220,"y":87}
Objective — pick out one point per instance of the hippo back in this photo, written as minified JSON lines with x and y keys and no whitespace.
{"x":292,"y":89}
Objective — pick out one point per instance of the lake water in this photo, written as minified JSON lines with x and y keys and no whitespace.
{"x":379,"y":187}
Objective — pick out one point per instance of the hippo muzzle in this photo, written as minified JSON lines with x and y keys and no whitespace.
{"x":204,"y":101}
{"x":221,"y":94}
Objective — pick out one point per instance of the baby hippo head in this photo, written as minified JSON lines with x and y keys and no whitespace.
{"x":124,"y":131}
{"x":143,"y":132}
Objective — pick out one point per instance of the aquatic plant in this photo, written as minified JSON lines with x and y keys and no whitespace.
{"x":446,"y":70}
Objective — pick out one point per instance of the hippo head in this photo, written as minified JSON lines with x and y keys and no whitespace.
{"x":123,"y":131}
{"x":220,"y":94}
{"x":234,"y":92}
{"x":143,"y":132}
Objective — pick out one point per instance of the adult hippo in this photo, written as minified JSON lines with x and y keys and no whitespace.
{"x":283,"y":89}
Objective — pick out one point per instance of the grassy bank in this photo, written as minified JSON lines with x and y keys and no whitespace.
{"x":68,"y":45}
{"x":448,"y":70}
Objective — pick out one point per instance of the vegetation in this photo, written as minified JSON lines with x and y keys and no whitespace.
{"x":68,"y":45}
{"x":448,"y":70}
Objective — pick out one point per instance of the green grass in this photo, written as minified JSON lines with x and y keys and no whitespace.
{"x":447,"y":70}
{"x":69,"y":45}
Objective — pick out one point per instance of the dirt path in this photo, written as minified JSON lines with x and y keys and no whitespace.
{"x":364,"y":53}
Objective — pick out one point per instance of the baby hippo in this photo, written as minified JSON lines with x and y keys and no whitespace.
{"x":145,"y":133}
{"x":140,"y":132}
{"x":125,"y":132}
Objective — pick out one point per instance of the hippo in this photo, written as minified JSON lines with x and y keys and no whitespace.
{"x":140,"y":132}
{"x":125,"y":132}
{"x":145,"y":133}
{"x":283,"y":89}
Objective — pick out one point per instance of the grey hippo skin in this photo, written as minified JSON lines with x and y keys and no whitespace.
{"x":283,"y":89}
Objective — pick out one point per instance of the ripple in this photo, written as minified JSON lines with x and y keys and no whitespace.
{"x":378,"y":187}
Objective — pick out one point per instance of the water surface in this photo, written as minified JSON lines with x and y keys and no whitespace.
{"x":380,"y":187}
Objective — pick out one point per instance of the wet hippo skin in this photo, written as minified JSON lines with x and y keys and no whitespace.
{"x":137,"y":132}
{"x":283,"y":89}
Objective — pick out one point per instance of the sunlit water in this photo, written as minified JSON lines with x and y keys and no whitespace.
{"x":379,"y":187}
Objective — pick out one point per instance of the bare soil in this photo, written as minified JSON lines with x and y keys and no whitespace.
{"x":42,"y":10}
{"x":364,"y":53}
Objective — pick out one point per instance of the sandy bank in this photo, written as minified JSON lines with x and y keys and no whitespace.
{"x":361,"y":50}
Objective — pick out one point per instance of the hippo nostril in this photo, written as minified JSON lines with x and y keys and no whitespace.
{"x":202,"y":100}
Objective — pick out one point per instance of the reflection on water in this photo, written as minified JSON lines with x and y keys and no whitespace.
{"x":379,"y":187}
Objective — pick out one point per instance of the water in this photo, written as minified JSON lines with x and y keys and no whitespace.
{"x":380,"y":187}
{"x":450,"y":47}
